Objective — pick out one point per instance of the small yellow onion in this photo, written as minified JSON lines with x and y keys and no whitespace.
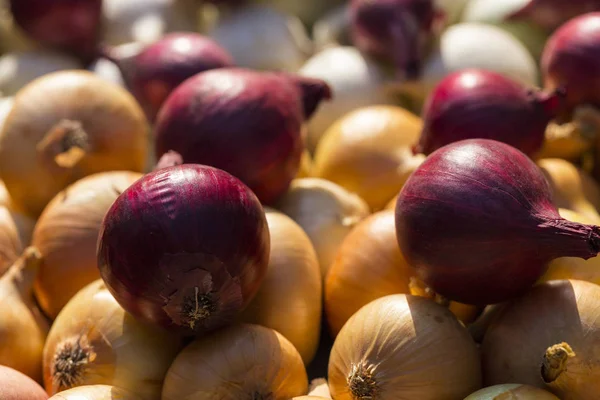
{"x":369,"y":152}
{"x":403,"y":347}
{"x":290,"y":297}
{"x":64,"y":126}
{"x":326,"y":212}
{"x":512,"y":391}
{"x":66,"y":235}
{"x":96,"y":392}
{"x":23,"y":329}
{"x":368,"y":266}
{"x":93,"y":341}
{"x":238,"y":362}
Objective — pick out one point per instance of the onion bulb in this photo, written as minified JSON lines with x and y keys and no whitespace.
{"x":512,"y":392}
{"x":290,"y":298}
{"x":96,"y":392}
{"x":327,"y":213}
{"x":369,"y":266}
{"x":17,"y":386}
{"x":66,"y":235}
{"x":355,"y":80}
{"x":548,"y":338}
{"x":93,"y":341}
{"x":77,"y":124}
{"x":369,"y":152}
{"x":260,"y":37}
{"x":239,"y":362}
{"x":403,"y":346}
{"x":22,"y":327}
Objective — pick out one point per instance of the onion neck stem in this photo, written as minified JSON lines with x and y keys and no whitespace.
{"x":571,"y":239}
{"x":24,"y":271}
{"x":555,"y":361}
{"x":67,"y":143}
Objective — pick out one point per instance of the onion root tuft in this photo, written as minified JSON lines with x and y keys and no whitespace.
{"x":69,"y":362}
{"x":361,"y":381}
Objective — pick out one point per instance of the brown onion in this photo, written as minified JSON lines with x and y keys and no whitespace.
{"x":327,"y":213}
{"x":94,"y":341}
{"x":96,"y":392}
{"x":548,"y":338}
{"x":66,"y":235}
{"x":403,"y":346}
{"x":369,"y":152}
{"x":17,"y":386}
{"x":512,"y":392}
{"x":290,"y":297}
{"x":239,"y":362}
{"x":64,"y":126}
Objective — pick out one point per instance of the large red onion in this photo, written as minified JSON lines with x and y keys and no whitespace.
{"x":550,"y":14}
{"x":185,"y":247}
{"x":394,"y":30}
{"x":477,"y":223}
{"x":571,"y":59}
{"x":71,"y":25}
{"x":245,"y":122}
{"x":476,"y":103}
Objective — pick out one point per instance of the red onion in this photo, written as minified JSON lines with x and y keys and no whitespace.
{"x":572,"y":59}
{"x":70,"y":25}
{"x":476,"y":103}
{"x":550,"y":14}
{"x":477,"y":223}
{"x":394,"y":30}
{"x":245,"y":122}
{"x":185,"y":247}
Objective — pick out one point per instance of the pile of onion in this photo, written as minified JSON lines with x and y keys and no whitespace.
{"x":325,"y":211}
{"x":93,"y":341}
{"x":477,"y":223}
{"x":239,"y":362}
{"x":290,"y":298}
{"x":198,"y":237}
{"x":96,"y":392}
{"x":403,"y":346}
{"x":66,"y":236}
{"x":548,"y":339}
{"x":512,"y":392}
{"x":17,"y":386}
{"x":369,"y":266}
{"x":245,"y":122}
{"x":77,"y":124}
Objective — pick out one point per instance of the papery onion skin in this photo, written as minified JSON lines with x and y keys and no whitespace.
{"x":17,"y":386}
{"x":551,"y":14}
{"x":512,"y":392}
{"x":475,"y":103}
{"x":245,"y":122}
{"x":197,"y":235}
{"x":532,"y":330}
{"x":66,"y":235}
{"x":164,"y":65}
{"x":71,"y":25}
{"x":570,"y":60}
{"x":477,"y":223}
{"x":96,"y":392}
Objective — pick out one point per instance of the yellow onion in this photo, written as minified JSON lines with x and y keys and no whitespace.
{"x":23,"y":329}
{"x":64,"y":126}
{"x":512,"y":392}
{"x":549,"y":338}
{"x":572,"y":188}
{"x":290,"y":297}
{"x":93,"y":341}
{"x":238,"y":362}
{"x":369,"y":152}
{"x":66,"y":235}
{"x":96,"y":392}
{"x":403,"y":347}
{"x":368,"y":266}
{"x":326,"y":212}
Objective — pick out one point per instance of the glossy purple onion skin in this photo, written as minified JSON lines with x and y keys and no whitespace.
{"x":245,"y":122}
{"x":397,"y":31}
{"x":477,"y":223}
{"x":571,"y":59}
{"x":551,"y":14}
{"x":475,"y":103}
{"x":164,"y":65}
{"x":178,"y":229}
{"x":70,"y":25}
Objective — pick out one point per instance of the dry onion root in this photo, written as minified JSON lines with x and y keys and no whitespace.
{"x":77,"y":124}
{"x":239,"y":362}
{"x":96,"y":392}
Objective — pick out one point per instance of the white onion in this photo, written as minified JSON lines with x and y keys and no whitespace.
{"x":355,"y":81}
{"x":19,"y":68}
{"x":261,"y":37}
